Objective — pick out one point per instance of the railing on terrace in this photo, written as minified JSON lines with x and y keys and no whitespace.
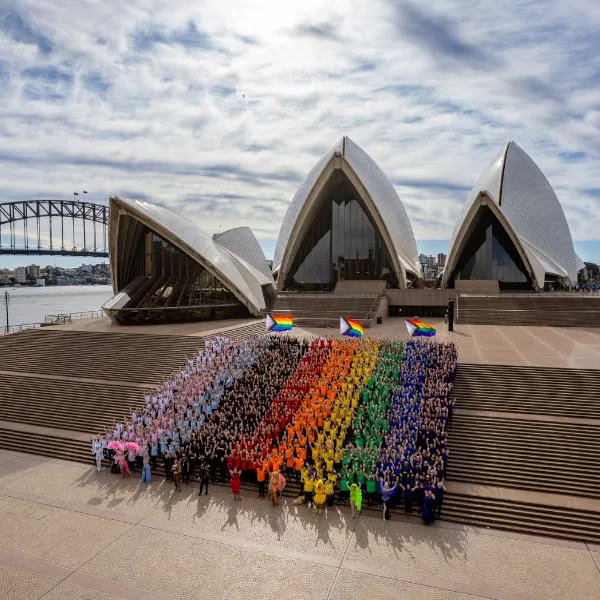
{"x":63,"y":318}
{"x":60,"y":319}
{"x":527,"y":294}
{"x":17,"y":328}
{"x":325,"y":294}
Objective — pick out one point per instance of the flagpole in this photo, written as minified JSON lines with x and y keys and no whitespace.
{"x":84,"y":241}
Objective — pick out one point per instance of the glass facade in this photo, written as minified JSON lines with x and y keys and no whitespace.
{"x":165,"y":284}
{"x":490,"y":255}
{"x":340,"y":243}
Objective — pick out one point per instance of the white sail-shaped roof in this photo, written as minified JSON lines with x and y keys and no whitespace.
{"x":377,"y":193}
{"x":244,"y":276}
{"x":242,"y":242}
{"x":525,"y":201}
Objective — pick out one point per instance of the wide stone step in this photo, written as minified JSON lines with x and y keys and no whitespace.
{"x":535,"y":519}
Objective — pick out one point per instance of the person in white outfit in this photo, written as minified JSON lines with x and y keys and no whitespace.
{"x":99,"y":456}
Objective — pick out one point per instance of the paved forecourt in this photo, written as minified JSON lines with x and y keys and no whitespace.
{"x":561,"y":347}
{"x":67,"y":531}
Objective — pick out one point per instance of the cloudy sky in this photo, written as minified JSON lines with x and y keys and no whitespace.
{"x":219,"y":108}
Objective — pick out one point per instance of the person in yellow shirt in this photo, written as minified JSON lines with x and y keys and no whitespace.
{"x":329,"y":492}
{"x":309,"y":486}
{"x":303,"y":474}
{"x":319,"y":495}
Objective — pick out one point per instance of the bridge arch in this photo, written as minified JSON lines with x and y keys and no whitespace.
{"x":16,"y":218}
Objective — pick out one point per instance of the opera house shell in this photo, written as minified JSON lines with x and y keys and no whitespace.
{"x":512,"y":229}
{"x":345,"y":222}
{"x":164,"y":268}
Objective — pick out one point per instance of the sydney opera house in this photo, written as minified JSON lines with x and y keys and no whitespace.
{"x":346,"y":223}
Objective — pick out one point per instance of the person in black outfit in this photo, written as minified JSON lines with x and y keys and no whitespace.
{"x":168,"y":463}
{"x":185,"y":468}
{"x":439,"y":491}
{"x":408,"y":498}
{"x":204,"y":476}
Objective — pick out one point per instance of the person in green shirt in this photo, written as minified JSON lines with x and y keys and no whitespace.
{"x":371,"y":488}
{"x":344,"y":488}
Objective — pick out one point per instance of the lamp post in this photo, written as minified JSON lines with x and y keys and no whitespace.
{"x":6,"y":301}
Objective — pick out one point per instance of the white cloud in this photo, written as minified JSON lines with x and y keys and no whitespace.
{"x":152,"y":102}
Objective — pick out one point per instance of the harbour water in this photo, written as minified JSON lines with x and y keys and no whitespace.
{"x":32,"y":304}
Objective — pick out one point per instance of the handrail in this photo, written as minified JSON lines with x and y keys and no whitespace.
{"x":18,"y":328}
{"x":290,"y":294}
{"x":60,"y":319}
{"x":527,"y":294}
{"x":63,"y":318}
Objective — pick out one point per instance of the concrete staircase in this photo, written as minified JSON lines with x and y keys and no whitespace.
{"x":524,"y":517}
{"x":79,"y":405}
{"x":131,"y":357}
{"x":523,"y":445}
{"x":529,"y":390}
{"x":530,"y":455}
{"x":325,"y":310}
{"x":535,"y":309}
{"x":57,"y":388}
{"x":241,"y":332}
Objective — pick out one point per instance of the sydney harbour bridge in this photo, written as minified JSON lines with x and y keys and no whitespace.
{"x":57,"y":227}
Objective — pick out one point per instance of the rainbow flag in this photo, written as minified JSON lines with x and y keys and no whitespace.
{"x":279,"y":322}
{"x":417,"y":328}
{"x":351,"y":327}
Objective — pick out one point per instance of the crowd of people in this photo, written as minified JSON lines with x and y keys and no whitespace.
{"x":276,"y":408}
{"x":413,"y":459}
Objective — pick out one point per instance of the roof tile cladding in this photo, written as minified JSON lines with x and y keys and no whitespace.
{"x":387,"y":202}
{"x":382,"y":192}
{"x":302,"y":193}
{"x":534,"y":211}
{"x":199,"y":242}
{"x":241,"y":241}
{"x":528,"y":202}
{"x":489,"y":182}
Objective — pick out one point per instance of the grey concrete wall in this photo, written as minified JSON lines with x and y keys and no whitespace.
{"x":476,"y":285}
{"x":420,"y":297}
{"x":384,"y":308}
{"x":360,"y":286}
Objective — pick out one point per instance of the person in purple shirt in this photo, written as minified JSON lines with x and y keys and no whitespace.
{"x":387,"y":493}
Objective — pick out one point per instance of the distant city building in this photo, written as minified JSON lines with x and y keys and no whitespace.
{"x":21,"y":274}
{"x":40,"y":282}
{"x":441,"y":260}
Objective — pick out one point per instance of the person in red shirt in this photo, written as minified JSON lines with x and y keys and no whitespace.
{"x":234,"y":482}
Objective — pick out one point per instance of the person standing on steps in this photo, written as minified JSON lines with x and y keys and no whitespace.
{"x":146,"y":474}
{"x":99,"y":456}
{"x":439,"y":491}
{"x":234,"y":483}
{"x":168,"y":464}
{"x":204,"y":477}
{"x":387,"y":493}
{"x":176,"y":470}
{"x":428,"y":515}
{"x":355,"y":499}
{"x":260,"y":478}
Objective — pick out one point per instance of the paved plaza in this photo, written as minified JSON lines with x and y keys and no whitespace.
{"x":562,"y":347}
{"x":69,"y":532}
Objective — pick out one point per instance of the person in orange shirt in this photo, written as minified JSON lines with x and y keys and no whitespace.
{"x":289,"y":461}
{"x":260,"y":478}
{"x":298,"y":462}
